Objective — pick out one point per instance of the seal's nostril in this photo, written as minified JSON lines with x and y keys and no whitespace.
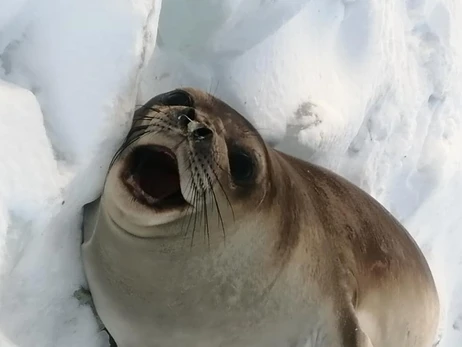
{"x":190,"y":112}
{"x":202,"y":133}
{"x":186,"y":116}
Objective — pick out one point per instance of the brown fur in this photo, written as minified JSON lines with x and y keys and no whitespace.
{"x":370,"y":251}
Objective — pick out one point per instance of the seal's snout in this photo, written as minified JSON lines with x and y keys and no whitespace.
{"x":152,"y":176}
{"x":196,"y":130}
{"x":199,"y":132}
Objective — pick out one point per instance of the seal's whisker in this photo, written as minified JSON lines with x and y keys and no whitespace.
{"x":137,"y":129}
{"x":215,"y":154}
{"x":143,"y":130}
{"x":141,"y":118}
{"x":211,"y":96}
{"x":195,"y":202}
{"x":189,"y":188}
{"x":204,"y":211}
{"x":149,"y":108}
{"x":163,"y":125}
{"x":131,"y":138}
{"x":221,"y":186}
{"x":124,"y":146}
{"x":212,"y":192}
{"x":196,"y":195}
{"x":201,"y":203}
{"x":191,"y":216}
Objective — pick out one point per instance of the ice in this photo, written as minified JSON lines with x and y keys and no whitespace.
{"x":370,"y":89}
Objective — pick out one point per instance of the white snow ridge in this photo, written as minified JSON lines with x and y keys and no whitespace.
{"x":369,"y":88}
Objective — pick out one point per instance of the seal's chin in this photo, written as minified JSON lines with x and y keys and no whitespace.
{"x":151,"y":175}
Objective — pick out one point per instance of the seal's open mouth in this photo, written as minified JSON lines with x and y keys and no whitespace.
{"x":153,"y":178}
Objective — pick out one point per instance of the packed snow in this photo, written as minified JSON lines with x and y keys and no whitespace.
{"x":369,"y":88}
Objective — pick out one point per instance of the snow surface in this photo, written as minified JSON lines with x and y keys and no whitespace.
{"x":369,"y":88}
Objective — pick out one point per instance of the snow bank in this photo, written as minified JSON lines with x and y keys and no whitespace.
{"x":72,"y":70}
{"x":370,"y":89}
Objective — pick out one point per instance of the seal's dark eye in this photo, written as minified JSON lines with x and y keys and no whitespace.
{"x":242,"y":166}
{"x":178,"y":97}
{"x":175,"y":97}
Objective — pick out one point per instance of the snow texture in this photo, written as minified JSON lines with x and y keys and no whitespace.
{"x":368,"y":88}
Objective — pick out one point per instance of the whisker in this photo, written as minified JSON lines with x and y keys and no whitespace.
{"x":149,"y":108}
{"x":212,"y":192}
{"x":224,"y":193}
{"x":196,"y":196}
{"x":206,"y":225}
{"x":189,"y":188}
{"x":124,"y":147}
{"x":195,"y":215}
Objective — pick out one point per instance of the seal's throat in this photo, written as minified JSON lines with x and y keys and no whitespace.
{"x":152,"y":176}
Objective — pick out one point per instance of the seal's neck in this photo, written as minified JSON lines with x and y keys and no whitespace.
{"x":188,"y":237}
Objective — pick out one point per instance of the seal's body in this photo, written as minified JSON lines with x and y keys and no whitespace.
{"x":204,"y":236}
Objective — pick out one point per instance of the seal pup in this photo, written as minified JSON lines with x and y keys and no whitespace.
{"x":204,"y":236}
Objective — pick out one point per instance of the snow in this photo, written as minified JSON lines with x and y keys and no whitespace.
{"x":368,"y":88}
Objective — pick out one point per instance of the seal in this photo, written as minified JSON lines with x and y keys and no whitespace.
{"x":205,"y":236}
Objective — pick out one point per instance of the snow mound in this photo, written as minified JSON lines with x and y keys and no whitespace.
{"x":70,"y":73}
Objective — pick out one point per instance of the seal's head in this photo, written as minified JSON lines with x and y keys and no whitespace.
{"x":188,"y":154}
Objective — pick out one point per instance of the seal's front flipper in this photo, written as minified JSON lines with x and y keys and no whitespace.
{"x":352,"y":334}
{"x":364,"y":340}
{"x":112,"y":342}
{"x":90,"y":213}
{"x":84,"y":297}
